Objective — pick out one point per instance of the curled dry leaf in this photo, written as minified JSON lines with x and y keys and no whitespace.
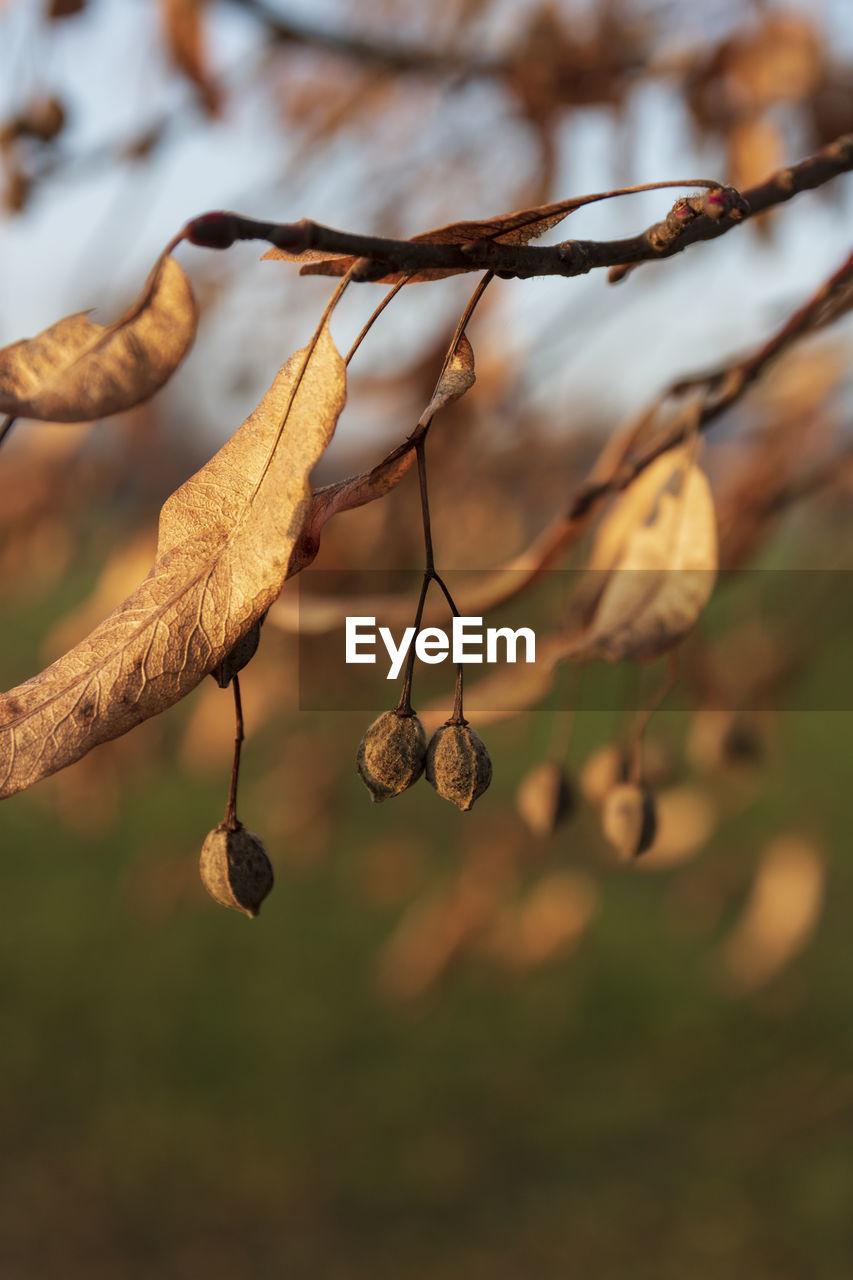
{"x":240,"y":656}
{"x":183,"y":29}
{"x":225,"y":544}
{"x":657,"y":549}
{"x":78,"y":370}
{"x":456,"y":379}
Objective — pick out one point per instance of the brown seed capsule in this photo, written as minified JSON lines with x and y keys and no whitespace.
{"x":724,"y":741}
{"x":610,"y":765}
{"x":603,"y":770}
{"x":458,"y":764}
{"x":544,"y":799}
{"x":629,"y":819}
{"x":235,"y":869}
{"x":391,"y":754}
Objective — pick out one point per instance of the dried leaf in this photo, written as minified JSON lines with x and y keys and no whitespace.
{"x":756,"y":147}
{"x":344,"y":495}
{"x":779,"y":917}
{"x":225,"y":544}
{"x":660,"y":552}
{"x":64,"y":8}
{"x":183,"y":27}
{"x":77,"y":370}
{"x":240,"y":656}
{"x":456,"y":379}
{"x":549,"y":922}
{"x":359,"y":490}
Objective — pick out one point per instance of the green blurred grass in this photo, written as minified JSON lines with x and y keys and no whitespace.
{"x":184,"y":1092}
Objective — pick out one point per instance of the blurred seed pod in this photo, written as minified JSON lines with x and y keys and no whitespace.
{"x":391,"y":754}
{"x":235,"y":869}
{"x":544,"y":798}
{"x":458,"y":764}
{"x":609,"y":765}
{"x":629,"y":819}
{"x":724,"y":741}
{"x":602,"y":771}
{"x":686,"y":819}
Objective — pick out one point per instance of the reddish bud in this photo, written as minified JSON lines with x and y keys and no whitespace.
{"x":212,"y":230}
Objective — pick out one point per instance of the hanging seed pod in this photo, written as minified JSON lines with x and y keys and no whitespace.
{"x":235,"y":869}
{"x":725,"y":741}
{"x":611,"y":764}
{"x":629,"y":819}
{"x":458,"y":764}
{"x":391,"y":754}
{"x":544,"y":799}
{"x":603,"y":770}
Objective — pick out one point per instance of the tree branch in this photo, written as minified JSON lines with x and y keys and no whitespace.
{"x":371,"y":49}
{"x":693,"y":219}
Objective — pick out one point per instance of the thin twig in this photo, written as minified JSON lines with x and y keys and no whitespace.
{"x":689,"y":221}
{"x":231,"y":822}
{"x":374,"y":316}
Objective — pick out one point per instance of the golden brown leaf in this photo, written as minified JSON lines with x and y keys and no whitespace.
{"x":183,"y":28}
{"x":64,"y":8}
{"x":78,"y":370}
{"x":224,"y":549}
{"x":659,"y":550}
{"x":550,"y":921}
{"x":779,"y":917}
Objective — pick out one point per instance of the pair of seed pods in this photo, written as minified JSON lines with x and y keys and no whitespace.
{"x":394,"y":753}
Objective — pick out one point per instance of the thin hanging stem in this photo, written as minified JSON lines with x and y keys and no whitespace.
{"x":635,"y":747}
{"x":231,"y":823}
{"x":561,"y":735}
{"x":429,"y":566}
{"x":404,"y":706}
{"x":368,"y":324}
{"x":448,"y":597}
{"x":457,"y":715}
{"x":465,"y":317}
